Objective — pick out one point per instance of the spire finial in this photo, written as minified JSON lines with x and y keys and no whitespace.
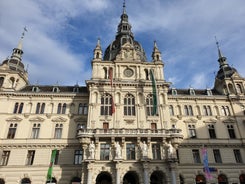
{"x":155,"y":44}
{"x":21,"y":38}
{"x":217,"y":43}
{"x":124,"y":7}
{"x":98,"y":41}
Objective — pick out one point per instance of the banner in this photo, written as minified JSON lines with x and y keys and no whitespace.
{"x":154,"y":93}
{"x":50,"y":169}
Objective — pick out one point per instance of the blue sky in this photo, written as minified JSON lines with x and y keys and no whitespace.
{"x":62,"y":34}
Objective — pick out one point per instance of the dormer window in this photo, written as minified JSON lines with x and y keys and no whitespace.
{"x":35,"y":89}
{"x":56,"y":89}
{"x":192,"y":91}
{"x":209,"y":92}
{"x":76,"y":90}
{"x":174,"y":92}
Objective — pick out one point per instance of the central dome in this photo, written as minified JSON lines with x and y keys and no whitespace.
{"x":124,"y":35}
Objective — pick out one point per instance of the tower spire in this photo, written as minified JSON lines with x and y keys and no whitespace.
{"x":124,"y":7}
{"x":222,"y":59}
{"x":17,"y":52}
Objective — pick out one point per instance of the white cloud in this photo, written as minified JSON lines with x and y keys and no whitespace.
{"x":62,"y":35}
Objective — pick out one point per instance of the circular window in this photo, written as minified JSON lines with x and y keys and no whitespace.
{"x":128,"y":72}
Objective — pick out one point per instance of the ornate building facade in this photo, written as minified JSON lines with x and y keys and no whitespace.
{"x":125,"y":126}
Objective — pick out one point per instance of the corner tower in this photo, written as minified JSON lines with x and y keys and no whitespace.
{"x":13,"y":75}
{"x":227,"y":81}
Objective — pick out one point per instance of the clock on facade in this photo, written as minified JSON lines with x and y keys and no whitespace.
{"x":128,"y":72}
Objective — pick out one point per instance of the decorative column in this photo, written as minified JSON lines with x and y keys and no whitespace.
{"x":146,"y":173}
{"x":90,"y":173}
{"x":118,"y":171}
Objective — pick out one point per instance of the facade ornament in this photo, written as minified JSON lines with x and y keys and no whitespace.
{"x":144,"y":150}
{"x":118,"y":151}
{"x":91,"y":150}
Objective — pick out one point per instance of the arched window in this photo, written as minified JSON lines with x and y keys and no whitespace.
{"x":18,"y":108}
{"x":181,"y":179}
{"x":59,"y":109}
{"x":231,"y":89}
{"x":1,"y":81}
{"x":106,"y":104}
{"x":238,"y":88}
{"x":188,"y":110}
{"x":149,"y":105}
{"x":129,"y":105}
{"x":200,"y":179}
{"x":171,"y":110}
{"x":222,"y":179}
{"x":64,"y":108}
{"x":105,"y":73}
{"x":146,"y":74}
{"x":25,"y":181}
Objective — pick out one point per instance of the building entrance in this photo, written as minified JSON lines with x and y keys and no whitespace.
{"x":104,"y":178}
{"x":157,"y":177}
{"x":131,"y":177}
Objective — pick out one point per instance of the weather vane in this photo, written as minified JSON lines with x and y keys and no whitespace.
{"x":23,"y":33}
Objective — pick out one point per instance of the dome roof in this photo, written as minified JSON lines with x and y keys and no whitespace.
{"x":124,"y":35}
{"x":14,"y":64}
{"x":225,"y":72}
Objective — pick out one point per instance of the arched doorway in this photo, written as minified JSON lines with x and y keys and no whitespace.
{"x":131,"y":177}
{"x":200,"y":179}
{"x":25,"y":181}
{"x":157,"y":177}
{"x":76,"y":180}
{"x":242,"y":179}
{"x":2,"y":181}
{"x":104,"y":178}
{"x":181,"y":179}
{"x":53,"y":181}
{"x":222,"y":179}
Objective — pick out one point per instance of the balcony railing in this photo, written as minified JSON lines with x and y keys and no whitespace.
{"x":128,"y":132}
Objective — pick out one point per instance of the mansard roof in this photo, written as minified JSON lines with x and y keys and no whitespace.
{"x":54,"y":89}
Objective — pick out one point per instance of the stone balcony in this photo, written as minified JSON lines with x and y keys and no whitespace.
{"x":149,"y":133}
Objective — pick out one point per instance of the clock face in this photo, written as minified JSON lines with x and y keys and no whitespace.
{"x":128,"y":72}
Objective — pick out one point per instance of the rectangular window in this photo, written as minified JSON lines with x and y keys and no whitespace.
{"x":130,"y":148}
{"x":211,"y":132}
{"x":5,"y":157}
{"x":30,"y":157}
{"x":35,"y":131}
{"x":105,"y":127}
{"x":192,"y":131}
{"x":196,"y":156}
{"x":231,"y":131}
{"x":78,"y":157}
{"x":58,"y":131}
{"x":153,"y":127}
{"x":217,"y":156}
{"x":238,"y":156}
{"x":12,"y":131}
{"x":156,"y":155}
{"x":104,"y":151}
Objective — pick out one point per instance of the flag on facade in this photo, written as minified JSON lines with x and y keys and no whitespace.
{"x":111,"y":82}
{"x":154,"y":93}
{"x":205,"y":163}
{"x":50,"y":169}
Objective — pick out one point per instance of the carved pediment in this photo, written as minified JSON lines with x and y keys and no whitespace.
{"x":191,"y":120}
{"x":127,"y":52}
{"x":14,"y":119}
{"x":229,"y":120}
{"x":210,"y":120}
{"x":59,"y":119}
{"x":36,"y":119}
